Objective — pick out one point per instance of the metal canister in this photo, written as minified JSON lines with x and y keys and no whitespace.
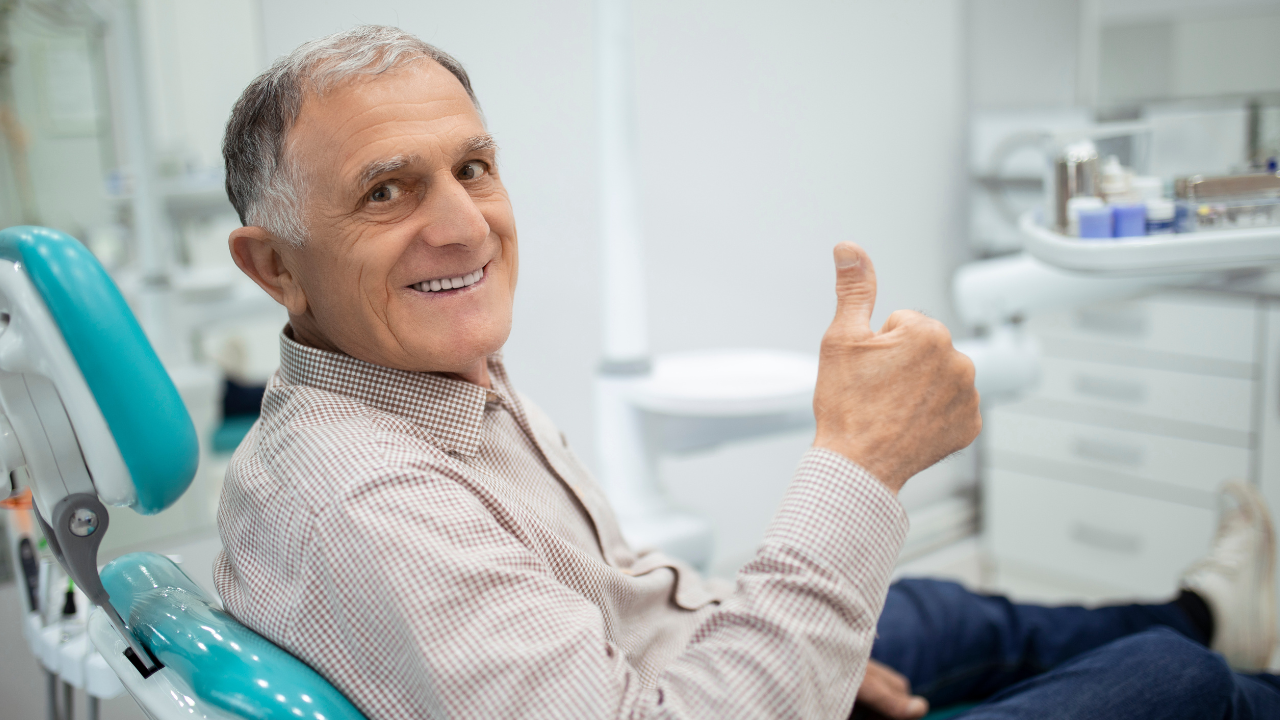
{"x":1075,"y":173}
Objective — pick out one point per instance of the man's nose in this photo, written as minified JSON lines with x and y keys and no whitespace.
{"x":452,"y":217}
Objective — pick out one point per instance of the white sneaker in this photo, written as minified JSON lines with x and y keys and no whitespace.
{"x":1237,"y":579}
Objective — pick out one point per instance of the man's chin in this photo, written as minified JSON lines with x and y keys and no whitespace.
{"x":464,"y":359}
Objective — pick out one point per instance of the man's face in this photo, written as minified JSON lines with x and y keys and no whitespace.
{"x":403,"y":199}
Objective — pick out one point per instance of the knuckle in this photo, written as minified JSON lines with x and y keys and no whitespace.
{"x":938,"y":332}
{"x":903,"y":318}
{"x":964,"y":366}
{"x":925,"y":330}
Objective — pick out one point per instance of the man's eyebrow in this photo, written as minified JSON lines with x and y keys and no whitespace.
{"x":372,"y":170}
{"x":478,"y":143}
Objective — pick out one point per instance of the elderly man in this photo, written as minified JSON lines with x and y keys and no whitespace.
{"x":405,"y":522}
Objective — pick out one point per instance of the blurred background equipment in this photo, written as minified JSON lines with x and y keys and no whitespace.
{"x":1145,"y":201}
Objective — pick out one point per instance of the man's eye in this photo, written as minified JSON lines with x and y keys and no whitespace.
{"x":472,"y":170}
{"x":384,"y":193}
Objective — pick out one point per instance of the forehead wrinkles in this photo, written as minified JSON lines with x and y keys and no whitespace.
{"x":367,"y":137}
{"x":417,"y":148}
{"x":405,"y":119}
{"x":412,"y":94}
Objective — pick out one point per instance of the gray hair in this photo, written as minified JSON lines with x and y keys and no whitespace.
{"x":263,"y":185}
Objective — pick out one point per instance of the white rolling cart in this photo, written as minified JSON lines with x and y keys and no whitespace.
{"x":1157,"y":381}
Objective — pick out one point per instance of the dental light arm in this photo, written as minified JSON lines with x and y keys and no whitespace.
{"x":990,"y":293}
{"x":993,"y":296}
{"x":89,"y":413}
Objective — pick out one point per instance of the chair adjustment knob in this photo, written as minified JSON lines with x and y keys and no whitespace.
{"x":83,"y":522}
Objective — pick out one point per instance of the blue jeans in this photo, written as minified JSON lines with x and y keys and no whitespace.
{"x":1026,"y":661}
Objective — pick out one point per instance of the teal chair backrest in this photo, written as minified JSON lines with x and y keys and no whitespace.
{"x":143,"y":412}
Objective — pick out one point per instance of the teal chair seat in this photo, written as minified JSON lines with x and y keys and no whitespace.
{"x":224,"y":663}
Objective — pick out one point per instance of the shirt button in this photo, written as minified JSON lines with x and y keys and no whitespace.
{"x":490,"y":396}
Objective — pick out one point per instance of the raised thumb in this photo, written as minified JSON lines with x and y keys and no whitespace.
{"x":855,"y":288}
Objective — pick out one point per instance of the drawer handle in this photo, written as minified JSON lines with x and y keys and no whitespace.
{"x":1111,"y":389}
{"x":1104,"y":539}
{"x":1104,"y":451}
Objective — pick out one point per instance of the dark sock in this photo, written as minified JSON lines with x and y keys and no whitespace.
{"x":1196,"y":610}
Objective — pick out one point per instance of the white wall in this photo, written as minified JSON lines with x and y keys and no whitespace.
{"x":767,"y":134}
{"x":1024,"y":54}
{"x":1191,"y":54}
{"x":198,"y":57}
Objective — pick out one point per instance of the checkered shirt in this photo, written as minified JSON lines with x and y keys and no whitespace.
{"x":435,"y":550}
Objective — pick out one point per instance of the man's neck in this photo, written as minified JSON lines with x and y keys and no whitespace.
{"x":477,"y":374}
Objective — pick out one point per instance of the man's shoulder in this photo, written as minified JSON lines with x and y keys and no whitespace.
{"x":318,"y":445}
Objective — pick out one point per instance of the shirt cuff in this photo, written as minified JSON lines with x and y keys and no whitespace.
{"x":840,"y":515}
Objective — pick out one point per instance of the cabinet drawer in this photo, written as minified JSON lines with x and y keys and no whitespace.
{"x":1134,"y":544}
{"x":1187,"y":463}
{"x":1192,"y":324}
{"x":1200,"y":399}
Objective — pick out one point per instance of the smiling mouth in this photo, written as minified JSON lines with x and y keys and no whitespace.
{"x":449,"y":283}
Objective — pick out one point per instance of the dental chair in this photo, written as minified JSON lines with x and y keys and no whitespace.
{"x":89,"y":418}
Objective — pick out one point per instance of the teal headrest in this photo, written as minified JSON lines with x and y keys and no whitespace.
{"x":224,"y":663}
{"x":142,"y":408}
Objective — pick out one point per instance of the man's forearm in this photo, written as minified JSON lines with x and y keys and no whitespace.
{"x":794,"y":639}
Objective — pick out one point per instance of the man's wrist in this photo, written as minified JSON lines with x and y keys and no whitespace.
{"x":884,"y":472}
{"x":842,"y":485}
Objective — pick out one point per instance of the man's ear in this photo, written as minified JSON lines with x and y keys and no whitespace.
{"x":259,"y":254}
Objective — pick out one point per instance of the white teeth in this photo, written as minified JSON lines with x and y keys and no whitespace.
{"x":450,"y":283}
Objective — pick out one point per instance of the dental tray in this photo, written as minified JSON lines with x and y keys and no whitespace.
{"x":1154,"y":254}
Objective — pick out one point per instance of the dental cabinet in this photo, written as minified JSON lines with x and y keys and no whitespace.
{"x":1104,"y":475}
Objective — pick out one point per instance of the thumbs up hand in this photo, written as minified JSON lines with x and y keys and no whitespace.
{"x":896,"y":401}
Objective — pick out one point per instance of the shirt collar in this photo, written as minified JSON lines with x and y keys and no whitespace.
{"x":452,"y":411}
